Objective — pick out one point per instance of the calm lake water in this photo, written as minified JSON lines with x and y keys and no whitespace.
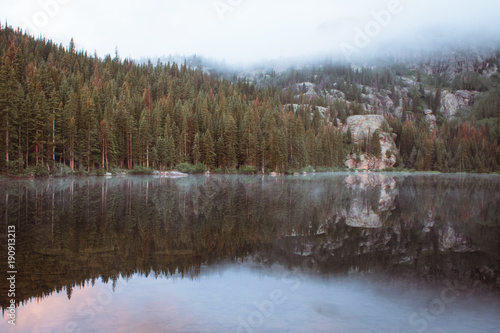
{"x":339,"y":252}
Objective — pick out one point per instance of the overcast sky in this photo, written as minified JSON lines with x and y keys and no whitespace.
{"x":252,"y":30}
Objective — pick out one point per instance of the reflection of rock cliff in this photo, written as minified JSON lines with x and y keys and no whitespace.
{"x":372,"y":195}
{"x":363,"y":127}
{"x":371,"y":220}
{"x":451,"y":240}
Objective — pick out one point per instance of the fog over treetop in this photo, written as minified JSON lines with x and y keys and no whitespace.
{"x":242,"y":32}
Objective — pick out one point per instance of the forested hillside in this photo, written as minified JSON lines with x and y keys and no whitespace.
{"x":62,"y":109}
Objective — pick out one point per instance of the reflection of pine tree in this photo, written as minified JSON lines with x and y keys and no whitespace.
{"x":373,"y":195}
{"x":69,"y":291}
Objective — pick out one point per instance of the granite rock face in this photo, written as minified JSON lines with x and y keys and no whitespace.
{"x":365,"y":162}
{"x":473,"y":60}
{"x":452,"y":102}
{"x":362,"y":127}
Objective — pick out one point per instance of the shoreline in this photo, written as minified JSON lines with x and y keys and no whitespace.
{"x":125,"y":173}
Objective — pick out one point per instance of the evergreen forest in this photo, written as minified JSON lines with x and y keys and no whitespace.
{"x":63,"y":111}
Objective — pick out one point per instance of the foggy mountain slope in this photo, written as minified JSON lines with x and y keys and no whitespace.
{"x":454,"y":70}
{"x":461,"y":74}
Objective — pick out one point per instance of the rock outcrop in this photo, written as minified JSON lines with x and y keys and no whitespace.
{"x":172,"y":174}
{"x":365,"y":162}
{"x":307,"y":89}
{"x":363,"y":127}
{"x":430,"y":119}
{"x":379,"y":103}
{"x":457,"y":62}
{"x":452,"y":102}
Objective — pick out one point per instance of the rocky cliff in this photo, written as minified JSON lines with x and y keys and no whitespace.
{"x":451,"y":63}
{"x":452,"y":102}
{"x":362,"y":127}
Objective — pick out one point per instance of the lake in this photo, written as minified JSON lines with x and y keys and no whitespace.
{"x":332,"y":252}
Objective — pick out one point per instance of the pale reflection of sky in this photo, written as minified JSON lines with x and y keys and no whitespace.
{"x":224,"y":300}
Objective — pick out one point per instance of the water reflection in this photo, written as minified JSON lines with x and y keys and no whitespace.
{"x":372,"y":194}
{"x":272,"y":300}
{"x":74,"y":232}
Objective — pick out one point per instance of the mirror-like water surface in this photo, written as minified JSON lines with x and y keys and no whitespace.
{"x":324,"y":252}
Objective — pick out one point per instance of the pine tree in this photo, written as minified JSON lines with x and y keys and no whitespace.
{"x":171,"y":157}
{"x":55,"y":108}
{"x":436,"y":105}
{"x":249,"y":138}
{"x":375,"y":146}
{"x":196,"y":149}
{"x":71,"y":138}
{"x":299,"y":145}
{"x":145,"y":136}
{"x":162,"y":152}
{"x":349,"y":136}
{"x":208,"y":150}
{"x":8,"y":110}
{"x":281,"y":150}
{"x":41,"y":119}
{"x":440,"y":155}
{"x":429,"y":153}
{"x":408,"y":136}
{"x":104,"y":139}
{"x":229,"y":141}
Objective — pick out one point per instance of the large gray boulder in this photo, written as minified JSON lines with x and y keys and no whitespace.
{"x":362,"y":127}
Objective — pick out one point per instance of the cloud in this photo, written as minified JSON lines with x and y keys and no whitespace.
{"x":244,"y":30}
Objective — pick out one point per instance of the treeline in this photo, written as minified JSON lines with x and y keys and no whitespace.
{"x":454,"y":147}
{"x":469,"y":142}
{"x":64,"y":109}
{"x":60,"y":106}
